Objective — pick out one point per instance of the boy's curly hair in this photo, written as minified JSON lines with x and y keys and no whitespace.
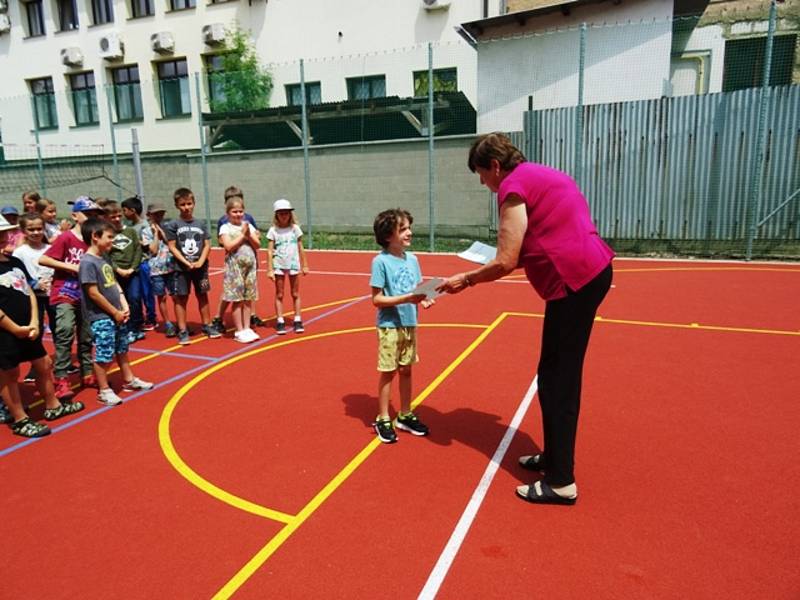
{"x":386,"y":224}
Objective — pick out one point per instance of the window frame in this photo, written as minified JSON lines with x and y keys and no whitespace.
{"x":107,"y":14}
{"x":48,"y":97}
{"x":132,"y":88}
{"x":311,"y":87}
{"x":148,"y":5}
{"x":436,"y":74}
{"x":65,"y":23}
{"x":34,"y":18}
{"x":182,"y":82}
{"x":369,"y":79}
{"x":178,"y":5}
{"x":82,"y":86}
{"x":754,"y":61}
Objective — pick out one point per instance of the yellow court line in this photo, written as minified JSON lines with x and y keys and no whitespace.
{"x":263,"y":555}
{"x":600,"y":319}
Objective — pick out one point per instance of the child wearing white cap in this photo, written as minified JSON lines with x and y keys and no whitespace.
{"x":286,"y":256}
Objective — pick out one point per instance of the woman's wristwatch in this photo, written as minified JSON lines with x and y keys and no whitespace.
{"x":467,"y":281}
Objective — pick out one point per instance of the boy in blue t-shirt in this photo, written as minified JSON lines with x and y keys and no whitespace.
{"x":395,"y":274}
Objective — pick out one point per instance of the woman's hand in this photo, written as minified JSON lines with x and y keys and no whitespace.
{"x":454,"y":284}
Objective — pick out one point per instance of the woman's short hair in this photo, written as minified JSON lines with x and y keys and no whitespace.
{"x":494,"y":146}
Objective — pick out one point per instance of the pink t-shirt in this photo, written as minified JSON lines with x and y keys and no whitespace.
{"x":561,"y":246}
{"x":69,"y":249}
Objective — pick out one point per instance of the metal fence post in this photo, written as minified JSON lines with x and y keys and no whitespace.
{"x":431,"y":198}
{"x":203,"y":151}
{"x":761,"y":136}
{"x":306,"y":176}
{"x":578,"y":166}
{"x":113,"y":143}
{"x":137,"y":164}
{"x":39,"y":162}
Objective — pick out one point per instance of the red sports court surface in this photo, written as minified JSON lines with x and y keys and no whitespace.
{"x":252,"y":471}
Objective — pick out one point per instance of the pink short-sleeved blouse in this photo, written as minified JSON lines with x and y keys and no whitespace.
{"x":561,"y":246}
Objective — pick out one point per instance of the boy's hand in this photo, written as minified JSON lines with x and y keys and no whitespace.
{"x":22,"y":332}
{"x":305,"y":271}
{"x":120,"y":316}
{"x":417,"y":298}
{"x":427,"y":303}
{"x":124,"y":272}
{"x":271,"y":274}
{"x":33,"y":332}
{"x":65,"y":225}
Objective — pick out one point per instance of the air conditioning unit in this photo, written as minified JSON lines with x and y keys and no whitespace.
{"x":3,"y":6}
{"x":111,"y":46}
{"x":162,"y":42}
{"x":435,"y":4}
{"x":72,"y":57}
{"x":214,"y":34}
{"x":5,"y":24}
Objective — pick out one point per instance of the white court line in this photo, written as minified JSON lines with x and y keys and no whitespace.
{"x":447,"y":556}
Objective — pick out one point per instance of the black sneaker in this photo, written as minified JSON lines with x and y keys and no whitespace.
{"x":5,"y":415}
{"x":385,"y":431}
{"x":280,"y":328}
{"x":217,"y":324}
{"x":211,"y":331}
{"x":30,"y":377}
{"x":183,"y":337}
{"x":72,"y":369}
{"x":409,"y":422}
{"x":256,"y":322}
{"x":298,"y":327}
{"x":170,"y":330}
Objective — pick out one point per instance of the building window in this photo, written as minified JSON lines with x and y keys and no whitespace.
{"x":84,"y":98}
{"x":102,"y":11}
{"x":173,"y":87}
{"x":362,"y":88}
{"x":35,"y":17}
{"x":216,"y":80}
{"x":313,"y":94}
{"x":67,"y":15}
{"x":141,"y":8}
{"x":744,"y":62}
{"x":182,"y":4}
{"x":44,"y":103}
{"x":127,"y":93}
{"x":444,"y":80}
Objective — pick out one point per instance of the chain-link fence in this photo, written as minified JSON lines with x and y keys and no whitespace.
{"x":684,"y":133}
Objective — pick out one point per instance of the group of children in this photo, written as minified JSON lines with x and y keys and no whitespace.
{"x":94,"y":277}
{"x":93,"y":274}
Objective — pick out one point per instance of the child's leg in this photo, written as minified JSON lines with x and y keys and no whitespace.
{"x":43,"y":367}
{"x":125,"y":366}
{"x":405,"y":388}
{"x":246,"y":312}
{"x":202,"y":304}
{"x":223,"y":306}
{"x":238,"y":317}
{"x":84,"y":345}
{"x":279,"y":279}
{"x":180,"y":311}
{"x":10,"y":391}
{"x":294,"y":280}
{"x":63,"y":336}
{"x":163,"y":307}
{"x":133,"y":294}
{"x":148,"y":298}
{"x":384,"y":393}
{"x":101,"y":376}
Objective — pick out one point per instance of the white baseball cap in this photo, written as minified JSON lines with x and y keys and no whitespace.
{"x":282,"y":204}
{"x":5,"y":225}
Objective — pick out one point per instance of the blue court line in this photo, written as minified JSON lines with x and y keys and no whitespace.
{"x":173,"y":379}
{"x":171,"y":353}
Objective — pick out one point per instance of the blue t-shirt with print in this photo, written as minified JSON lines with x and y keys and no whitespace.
{"x":396,"y":276}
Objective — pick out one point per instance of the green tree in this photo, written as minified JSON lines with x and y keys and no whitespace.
{"x":240,"y":81}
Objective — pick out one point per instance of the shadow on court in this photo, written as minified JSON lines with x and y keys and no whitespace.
{"x":476,"y":429}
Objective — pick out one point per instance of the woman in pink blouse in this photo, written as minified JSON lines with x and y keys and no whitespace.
{"x":545,"y":228}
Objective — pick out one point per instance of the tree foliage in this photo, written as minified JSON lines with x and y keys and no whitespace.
{"x":242,"y":83}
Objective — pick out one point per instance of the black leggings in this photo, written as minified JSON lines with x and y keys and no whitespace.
{"x":567,"y":327}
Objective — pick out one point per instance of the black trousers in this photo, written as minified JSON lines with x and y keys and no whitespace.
{"x":567,"y":327}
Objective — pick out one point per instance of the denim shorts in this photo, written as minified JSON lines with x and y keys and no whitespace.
{"x":181,"y":282}
{"x":108,"y":339}
{"x":160,"y":284}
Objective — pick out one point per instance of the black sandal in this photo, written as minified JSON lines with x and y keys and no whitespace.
{"x":547,"y":495}
{"x":64,"y":409}
{"x":533,"y":462}
{"x":29,"y":428}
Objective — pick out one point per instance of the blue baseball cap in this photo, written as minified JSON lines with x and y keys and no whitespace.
{"x":83,"y":204}
{"x":9,"y":210}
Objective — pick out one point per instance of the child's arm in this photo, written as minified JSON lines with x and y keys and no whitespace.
{"x":380,"y":300}
{"x":254,"y":239}
{"x":48,"y":261}
{"x":138,"y":252}
{"x":270,"y":252}
{"x":229,"y":243}
{"x":103,"y":304}
{"x":173,"y":247}
{"x":302,"y":252}
{"x":33,"y":326}
{"x":203,"y":255}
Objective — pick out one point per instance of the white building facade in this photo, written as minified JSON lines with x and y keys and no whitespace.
{"x":71,"y":68}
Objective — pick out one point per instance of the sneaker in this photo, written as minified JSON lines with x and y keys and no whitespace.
{"x":136,"y":384}
{"x":409,"y":422}
{"x":5,"y":416}
{"x":183,"y":337}
{"x":149,"y":326}
{"x":67,"y":408}
{"x":29,"y":428}
{"x":170,"y":330}
{"x":211,"y":332}
{"x":72,"y":369}
{"x":30,"y":377}
{"x":280,"y":328}
{"x":135,"y":336}
{"x":63,"y":389}
{"x":217,"y":324}
{"x":298,"y":327}
{"x":89,"y":381}
{"x":252,"y":334}
{"x":243,"y":337}
{"x":256,"y":322}
{"x":385,"y":431}
{"x":108,"y":397}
